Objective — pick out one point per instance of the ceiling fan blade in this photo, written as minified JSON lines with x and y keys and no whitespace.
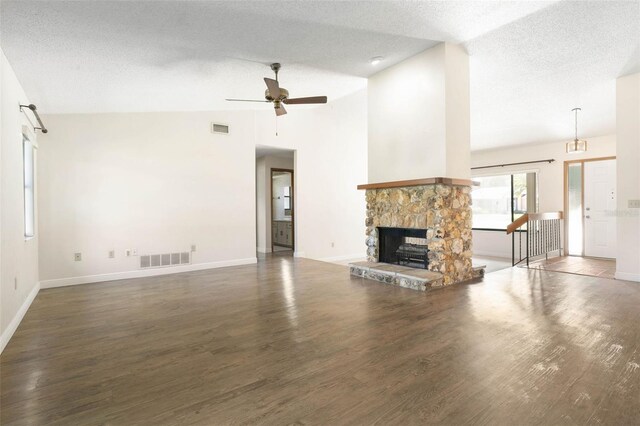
{"x":309,"y":100}
{"x":245,"y":100}
{"x":273,"y":86}
{"x":280,"y":110}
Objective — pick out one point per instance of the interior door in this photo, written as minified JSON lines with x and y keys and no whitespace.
{"x":599,"y":208}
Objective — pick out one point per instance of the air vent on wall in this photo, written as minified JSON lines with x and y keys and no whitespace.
{"x":221,"y":129}
{"x":164,"y":259}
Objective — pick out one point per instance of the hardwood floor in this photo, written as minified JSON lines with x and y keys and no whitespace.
{"x":295,"y":341}
{"x":594,"y":267}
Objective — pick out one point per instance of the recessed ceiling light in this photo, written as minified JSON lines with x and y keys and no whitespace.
{"x":376,"y":60}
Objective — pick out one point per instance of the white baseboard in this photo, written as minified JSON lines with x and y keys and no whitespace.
{"x":140,"y":273}
{"x":343,"y":257}
{"x":492,"y":254}
{"x":627,"y":276}
{"x":263,"y":250}
{"x":17,"y":318}
{"x":299,"y":254}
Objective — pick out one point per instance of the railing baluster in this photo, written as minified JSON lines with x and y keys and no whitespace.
{"x":520,"y":246}
{"x":545,"y":230}
{"x":545,"y":236}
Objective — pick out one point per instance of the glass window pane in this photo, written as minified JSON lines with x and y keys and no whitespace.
{"x":492,"y":202}
{"x":519,"y":195}
{"x":29,"y":198}
{"x":574,"y":222}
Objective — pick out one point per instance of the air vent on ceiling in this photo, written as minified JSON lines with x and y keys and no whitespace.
{"x":164,"y":259}
{"x":221,"y":129}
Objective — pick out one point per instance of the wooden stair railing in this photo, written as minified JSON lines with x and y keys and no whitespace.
{"x":542,"y":235}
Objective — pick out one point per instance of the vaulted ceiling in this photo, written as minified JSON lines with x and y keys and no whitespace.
{"x":531,"y":62}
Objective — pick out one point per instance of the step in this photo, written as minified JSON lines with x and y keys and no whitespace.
{"x":402,"y":276}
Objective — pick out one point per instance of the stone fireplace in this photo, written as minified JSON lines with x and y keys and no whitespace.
{"x":427,"y":222}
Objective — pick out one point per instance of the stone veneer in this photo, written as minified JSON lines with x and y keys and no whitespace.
{"x":444,"y":210}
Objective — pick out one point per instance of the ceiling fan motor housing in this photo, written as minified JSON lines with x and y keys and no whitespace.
{"x":284,"y":94}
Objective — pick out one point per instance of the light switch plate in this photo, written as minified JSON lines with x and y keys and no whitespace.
{"x":634,"y":204}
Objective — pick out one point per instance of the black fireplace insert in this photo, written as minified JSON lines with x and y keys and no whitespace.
{"x":403,"y":246}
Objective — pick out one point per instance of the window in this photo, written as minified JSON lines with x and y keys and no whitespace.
{"x":29,"y":195}
{"x":499,"y":200}
{"x":574,"y":222}
{"x":287,"y":197}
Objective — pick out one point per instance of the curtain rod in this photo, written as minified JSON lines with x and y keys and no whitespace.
{"x":551,"y":160}
{"x":33,"y":108}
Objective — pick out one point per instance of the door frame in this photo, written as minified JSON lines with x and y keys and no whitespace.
{"x":566,"y":197}
{"x":293,"y":206}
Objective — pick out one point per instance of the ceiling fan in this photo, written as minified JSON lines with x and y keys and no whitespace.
{"x":279,"y":95}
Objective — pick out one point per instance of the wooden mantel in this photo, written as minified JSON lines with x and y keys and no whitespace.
{"x":417,"y":182}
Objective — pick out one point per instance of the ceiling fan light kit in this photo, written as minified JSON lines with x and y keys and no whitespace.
{"x":279,"y":96}
{"x":576,"y":145}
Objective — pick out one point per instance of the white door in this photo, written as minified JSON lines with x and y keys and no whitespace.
{"x":599,"y":208}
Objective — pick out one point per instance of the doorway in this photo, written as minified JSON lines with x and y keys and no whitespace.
{"x":275,"y":201}
{"x":282,"y":210}
{"x":590,"y":202}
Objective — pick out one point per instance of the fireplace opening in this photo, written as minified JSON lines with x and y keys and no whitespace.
{"x":403,"y":246}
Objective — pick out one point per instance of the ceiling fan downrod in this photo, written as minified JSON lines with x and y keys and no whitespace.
{"x":275,"y":67}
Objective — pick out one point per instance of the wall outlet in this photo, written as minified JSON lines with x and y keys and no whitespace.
{"x":77,"y":257}
{"x":127,"y":252}
{"x":333,"y":244}
{"x":134,"y":252}
{"x":634,"y":204}
{"x":112,"y":254}
{"x":193,"y":247}
{"x":15,"y":283}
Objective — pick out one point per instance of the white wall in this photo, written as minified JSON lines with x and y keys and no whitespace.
{"x":330,"y":161}
{"x":406,"y":118}
{"x":159,"y":182}
{"x":18,"y":257}
{"x":458,"y":112}
{"x":154,"y":182}
{"x":419,"y":117}
{"x":550,"y":179}
{"x":628,"y":176}
{"x":263,"y":193}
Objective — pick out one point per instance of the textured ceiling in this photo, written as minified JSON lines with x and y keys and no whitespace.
{"x":531,"y":62}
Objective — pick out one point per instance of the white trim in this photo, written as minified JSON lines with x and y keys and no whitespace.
{"x":358,"y":256}
{"x":501,"y":254}
{"x":17,"y":318}
{"x":627,"y":276}
{"x":263,"y":250}
{"x":299,"y":254}
{"x":140,"y":273}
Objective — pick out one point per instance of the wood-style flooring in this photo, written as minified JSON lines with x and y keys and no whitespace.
{"x":296,"y":341}
{"x":594,"y":267}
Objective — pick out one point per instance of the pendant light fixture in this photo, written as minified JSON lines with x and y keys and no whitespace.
{"x":576,"y":145}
